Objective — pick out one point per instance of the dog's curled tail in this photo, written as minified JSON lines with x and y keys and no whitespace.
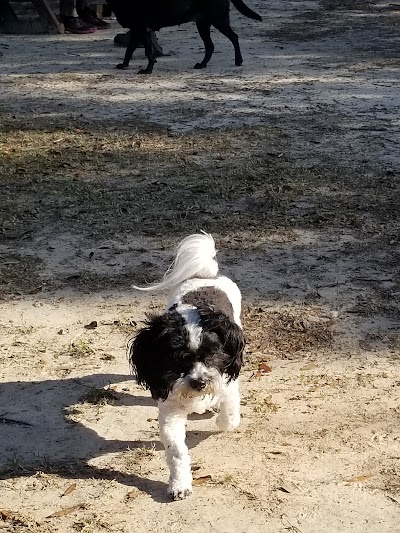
{"x":195,"y":258}
{"x":244,"y":10}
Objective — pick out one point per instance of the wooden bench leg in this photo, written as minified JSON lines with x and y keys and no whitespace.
{"x":46,"y":14}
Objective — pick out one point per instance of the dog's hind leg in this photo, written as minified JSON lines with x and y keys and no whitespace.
{"x":226,"y":30}
{"x":204,"y":32}
{"x":173,"y":435}
{"x":149,"y":51}
{"x":229,"y":413}
{"x":133,"y":44}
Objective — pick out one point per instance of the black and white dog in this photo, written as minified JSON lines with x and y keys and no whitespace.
{"x":190,"y":356}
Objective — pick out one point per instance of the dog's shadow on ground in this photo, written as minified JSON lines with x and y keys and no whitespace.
{"x":36,"y":433}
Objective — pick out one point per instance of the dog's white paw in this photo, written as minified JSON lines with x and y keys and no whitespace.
{"x":227,"y":423}
{"x":179,"y":492}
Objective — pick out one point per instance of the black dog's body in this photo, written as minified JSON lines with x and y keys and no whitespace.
{"x":142,"y":16}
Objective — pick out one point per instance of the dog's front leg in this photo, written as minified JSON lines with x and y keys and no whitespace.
{"x":133,"y":43}
{"x":149,"y":51}
{"x":173,"y":434}
{"x":229,"y":412}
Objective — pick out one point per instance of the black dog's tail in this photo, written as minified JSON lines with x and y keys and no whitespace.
{"x":244,"y":10}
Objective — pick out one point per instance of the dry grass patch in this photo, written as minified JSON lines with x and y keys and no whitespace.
{"x":93,"y":524}
{"x":284,"y":333}
{"x":99,"y":396}
{"x":378,"y":301}
{"x":261,"y":403}
{"x":135,"y":460}
{"x":79,"y":349}
{"x":134,"y":180}
{"x":19,"y":274}
{"x":14,"y":522}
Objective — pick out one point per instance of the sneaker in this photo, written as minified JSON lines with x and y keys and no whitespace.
{"x":76,"y":25}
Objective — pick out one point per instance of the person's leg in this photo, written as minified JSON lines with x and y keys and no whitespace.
{"x":69,"y":17}
{"x":122,"y":39}
{"x":68,"y":8}
{"x":81,"y":5}
{"x":88,"y":14}
{"x":157,"y":48}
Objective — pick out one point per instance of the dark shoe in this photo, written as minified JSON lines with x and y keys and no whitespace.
{"x":100,"y":24}
{"x":76,"y":25}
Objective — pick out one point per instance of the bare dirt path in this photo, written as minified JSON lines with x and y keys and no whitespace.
{"x":292,"y":162}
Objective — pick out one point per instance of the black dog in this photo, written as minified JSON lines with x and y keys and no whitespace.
{"x":144,"y":16}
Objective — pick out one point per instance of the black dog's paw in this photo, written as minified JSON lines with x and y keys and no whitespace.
{"x":121,"y":66}
{"x":199,"y":65}
{"x":238,"y":63}
{"x":144,"y":71}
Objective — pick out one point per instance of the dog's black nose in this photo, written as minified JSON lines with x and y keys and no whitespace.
{"x":198,"y":384}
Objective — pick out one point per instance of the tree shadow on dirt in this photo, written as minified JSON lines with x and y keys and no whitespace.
{"x":37,"y":433}
{"x":327,"y":236}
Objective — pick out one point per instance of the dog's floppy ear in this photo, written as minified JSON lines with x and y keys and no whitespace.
{"x":236,"y":342}
{"x":153,"y":352}
{"x":230,"y":335}
{"x":140,"y":350}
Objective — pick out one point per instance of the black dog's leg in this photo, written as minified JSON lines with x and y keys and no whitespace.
{"x":149,"y":51}
{"x":133,"y":44}
{"x":226,"y":30}
{"x":204,"y":31}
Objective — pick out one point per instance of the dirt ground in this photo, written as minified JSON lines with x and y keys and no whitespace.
{"x":292,"y":162}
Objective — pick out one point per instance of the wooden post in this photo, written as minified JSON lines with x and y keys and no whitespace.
{"x":47,"y":15}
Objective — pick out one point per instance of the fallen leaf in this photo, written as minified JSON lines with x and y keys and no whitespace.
{"x":70,"y":489}
{"x":201,"y":480}
{"x":288,"y":487}
{"x":6,"y":515}
{"x":274,"y":452}
{"x":263,"y":367}
{"x":14,"y":519}
{"x":359,"y":478}
{"x":66,"y":511}
{"x":92,"y":325}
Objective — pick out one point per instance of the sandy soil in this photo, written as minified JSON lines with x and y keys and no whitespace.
{"x":292,"y":162}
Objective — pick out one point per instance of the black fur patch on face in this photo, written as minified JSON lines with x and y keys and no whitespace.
{"x":210,"y":297}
